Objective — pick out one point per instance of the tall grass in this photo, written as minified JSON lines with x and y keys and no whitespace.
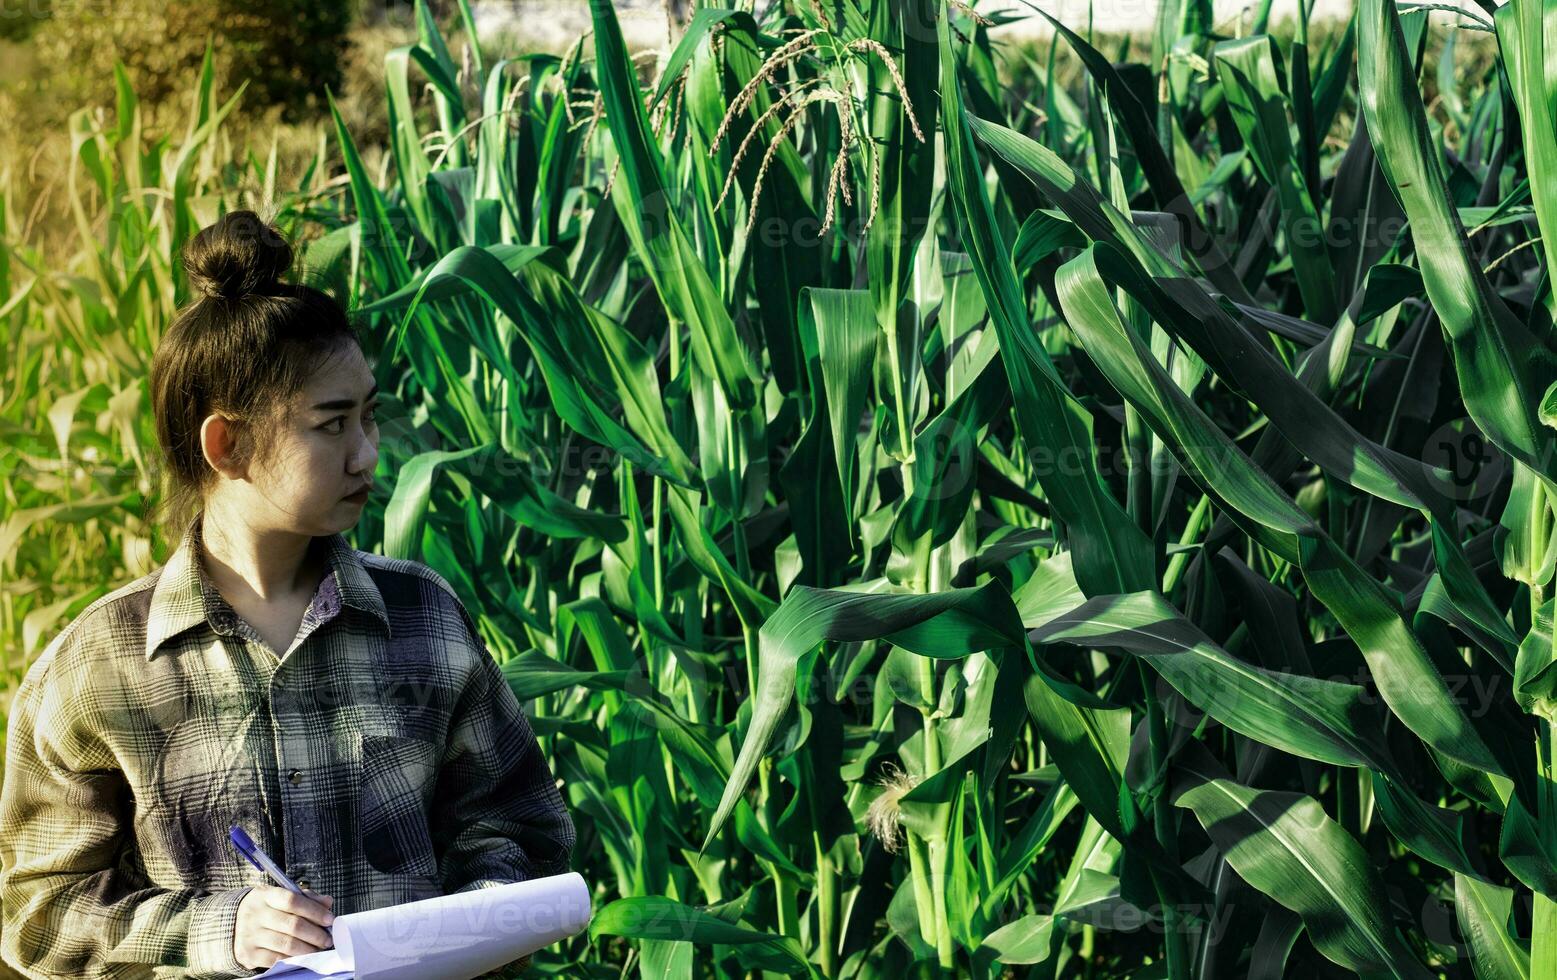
{"x":943,"y":526}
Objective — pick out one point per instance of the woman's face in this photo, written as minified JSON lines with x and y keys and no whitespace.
{"x":324,"y":448}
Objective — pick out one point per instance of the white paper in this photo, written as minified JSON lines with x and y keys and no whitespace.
{"x":453,"y":937}
{"x":309,"y":966}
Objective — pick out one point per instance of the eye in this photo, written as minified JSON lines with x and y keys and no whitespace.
{"x":369,"y":417}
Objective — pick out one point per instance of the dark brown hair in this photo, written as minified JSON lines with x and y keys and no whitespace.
{"x":242,"y":347}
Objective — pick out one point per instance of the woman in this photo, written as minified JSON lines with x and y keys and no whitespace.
{"x":338,"y":705}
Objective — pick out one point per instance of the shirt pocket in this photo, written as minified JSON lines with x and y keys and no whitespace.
{"x":397,"y":776}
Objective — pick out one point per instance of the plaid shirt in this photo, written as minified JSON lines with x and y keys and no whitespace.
{"x":382,"y":759}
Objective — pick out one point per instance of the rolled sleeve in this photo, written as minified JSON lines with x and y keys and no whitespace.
{"x":499,"y":817}
{"x":212,"y":929}
{"x":66,"y":908}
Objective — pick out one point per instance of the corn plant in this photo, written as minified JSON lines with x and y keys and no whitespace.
{"x":79,"y":452}
{"x":945,"y":522}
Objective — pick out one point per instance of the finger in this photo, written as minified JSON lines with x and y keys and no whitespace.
{"x":286,"y":944}
{"x":279,"y":898}
{"x":307,"y":932}
{"x":306,"y":906}
{"x":258,"y":957}
{"x":325,"y":900}
{"x":288,"y":924}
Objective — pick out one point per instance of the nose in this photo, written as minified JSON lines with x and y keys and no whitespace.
{"x":365,"y":458}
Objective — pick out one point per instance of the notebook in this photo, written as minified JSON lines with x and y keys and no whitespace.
{"x":453,"y":937}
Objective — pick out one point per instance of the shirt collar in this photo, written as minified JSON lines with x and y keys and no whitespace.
{"x":185,"y":597}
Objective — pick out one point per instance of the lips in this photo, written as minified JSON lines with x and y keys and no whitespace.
{"x":361,"y":491}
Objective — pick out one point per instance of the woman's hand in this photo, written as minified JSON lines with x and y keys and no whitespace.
{"x":274,"y":923}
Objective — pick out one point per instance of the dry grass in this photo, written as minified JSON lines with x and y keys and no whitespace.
{"x":35,"y":150}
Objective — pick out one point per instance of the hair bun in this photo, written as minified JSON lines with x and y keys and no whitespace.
{"x":238,"y":255}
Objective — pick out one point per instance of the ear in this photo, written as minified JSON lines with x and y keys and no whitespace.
{"x":217,"y":439}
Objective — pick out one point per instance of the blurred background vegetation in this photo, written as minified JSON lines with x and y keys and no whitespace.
{"x":287,"y":51}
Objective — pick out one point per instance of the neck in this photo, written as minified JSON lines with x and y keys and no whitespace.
{"x":262,"y":564}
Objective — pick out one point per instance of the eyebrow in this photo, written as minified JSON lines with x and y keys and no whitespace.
{"x":346,"y":402}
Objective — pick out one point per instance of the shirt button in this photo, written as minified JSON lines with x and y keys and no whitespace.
{"x":302,"y":882}
{"x":296,"y":776}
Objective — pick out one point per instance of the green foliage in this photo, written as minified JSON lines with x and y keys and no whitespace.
{"x":1112,"y":535}
{"x":79,"y":457}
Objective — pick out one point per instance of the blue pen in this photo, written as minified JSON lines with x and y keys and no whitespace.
{"x":261,"y":860}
